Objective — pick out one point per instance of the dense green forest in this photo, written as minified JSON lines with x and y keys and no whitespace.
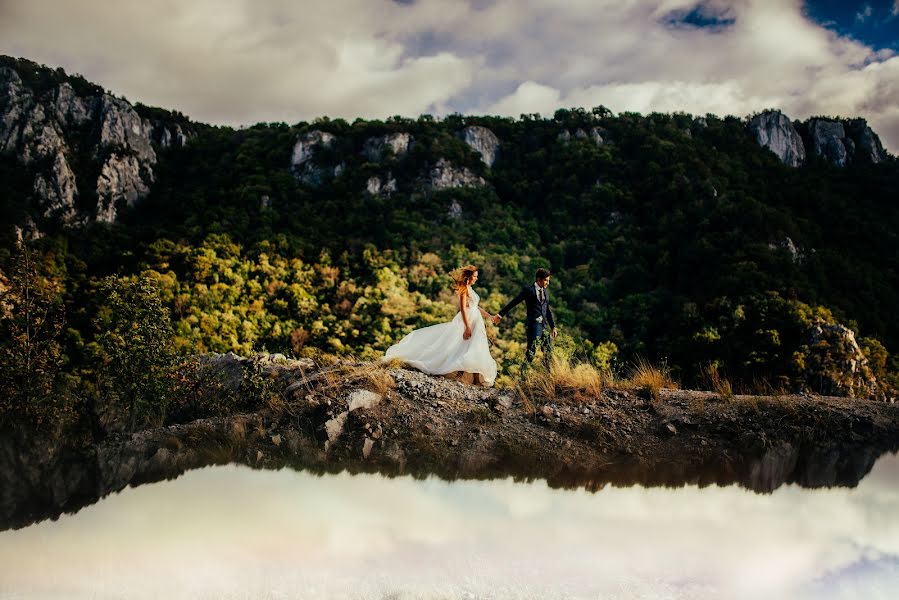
{"x":677,"y":239}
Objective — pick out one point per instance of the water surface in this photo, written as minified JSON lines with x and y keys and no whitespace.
{"x":234,"y":532}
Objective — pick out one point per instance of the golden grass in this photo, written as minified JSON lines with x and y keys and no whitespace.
{"x":717,"y":382}
{"x":563,"y":380}
{"x":645,"y":375}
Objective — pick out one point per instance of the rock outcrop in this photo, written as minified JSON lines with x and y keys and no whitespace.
{"x":480,"y":139}
{"x":841,"y":143}
{"x":444,"y":175}
{"x":393,"y":145}
{"x":595,"y":136}
{"x":306,"y":159}
{"x":773,"y":130}
{"x":375,"y":185}
{"x":834,"y":362}
{"x":44,"y":129}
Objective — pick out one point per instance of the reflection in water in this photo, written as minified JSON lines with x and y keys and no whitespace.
{"x":235,"y":532}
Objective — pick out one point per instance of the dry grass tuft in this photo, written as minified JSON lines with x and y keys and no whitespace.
{"x":718,"y":383}
{"x":650,"y":378}
{"x":563,"y":380}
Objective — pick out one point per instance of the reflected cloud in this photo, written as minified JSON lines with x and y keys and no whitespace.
{"x":235,"y":531}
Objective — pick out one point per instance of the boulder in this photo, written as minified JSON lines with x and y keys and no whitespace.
{"x":834,"y":363}
{"x":773,"y":130}
{"x":362,"y":399}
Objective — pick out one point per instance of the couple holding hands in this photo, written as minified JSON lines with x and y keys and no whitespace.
{"x":461,"y":344}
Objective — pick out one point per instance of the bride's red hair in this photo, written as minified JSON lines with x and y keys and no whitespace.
{"x":462,"y":278}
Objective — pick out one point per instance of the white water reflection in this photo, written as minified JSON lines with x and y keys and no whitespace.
{"x":232,"y":532}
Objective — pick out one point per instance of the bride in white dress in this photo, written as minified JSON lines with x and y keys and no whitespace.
{"x":459,"y":345}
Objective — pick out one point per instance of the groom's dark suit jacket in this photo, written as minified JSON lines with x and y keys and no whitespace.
{"x":535,"y":309}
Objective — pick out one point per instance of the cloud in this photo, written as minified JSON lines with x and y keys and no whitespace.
{"x":237,"y":61}
{"x":240,"y":61}
{"x":864,"y":13}
{"x":232,"y":531}
{"x":895,"y":10}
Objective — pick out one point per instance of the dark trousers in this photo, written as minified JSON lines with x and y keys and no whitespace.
{"x":539,"y":337}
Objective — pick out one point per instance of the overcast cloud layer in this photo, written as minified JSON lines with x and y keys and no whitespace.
{"x":243,"y":61}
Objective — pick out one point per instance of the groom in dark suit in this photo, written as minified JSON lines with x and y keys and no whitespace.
{"x":539,"y":319}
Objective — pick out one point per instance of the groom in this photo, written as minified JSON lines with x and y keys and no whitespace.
{"x":539,"y":315}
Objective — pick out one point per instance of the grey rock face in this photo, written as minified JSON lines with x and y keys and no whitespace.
{"x":866,"y":143}
{"x":376,"y":186}
{"x":396,"y":144}
{"x":843,"y":143}
{"x":120,"y":179}
{"x":445,"y":176}
{"x":122,"y":127}
{"x":303,"y":161}
{"x":480,"y":139}
{"x":773,"y":130}
{"x":58,"y":188}
{"x":168,"y":136}
{"x":36,"y":128}
{"x":828,"y":138}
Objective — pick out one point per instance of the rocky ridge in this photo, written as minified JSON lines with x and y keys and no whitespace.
{"x":839,"y":142}
{"x":50,"y":130}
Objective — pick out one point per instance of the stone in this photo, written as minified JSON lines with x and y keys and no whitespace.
{"x":773,"y":130}
{"x":58,"y":190}
{"x":304,"y":153}
{"x":276,"y":439}
{"x":828,"y":140}
{"x":866,"y":143}
{"x":480,"y":139}
{"x":834,"y":362}
{"x":121,"y":127}
{"x":446,"y":176}
{"x":334,"y":427}
{"x":38,"y":127}
{"x":791,"y":248}
{"x":455,"y":210}
{"x":364,"y":399}
{"x":375,"y":186}
{"x":120,"y":179}
{"x":547,"y":411}
{"x":367,"y":445}
{"x":394,"y":145}
{"x":671,"y":428}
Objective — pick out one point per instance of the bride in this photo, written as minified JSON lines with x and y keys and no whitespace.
{"x":459,"y":345}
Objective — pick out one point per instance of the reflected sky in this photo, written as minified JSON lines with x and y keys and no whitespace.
{"x":232,"y":532}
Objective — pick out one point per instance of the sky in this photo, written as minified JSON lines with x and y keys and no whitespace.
{"x":234,"y":532}
{"x":239,"y":62}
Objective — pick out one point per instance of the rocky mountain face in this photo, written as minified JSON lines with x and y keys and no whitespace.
{"x":775,"y":131}
{"x":80,"y":147}
{"x":839,"y":142}
{"x":313,"y":165}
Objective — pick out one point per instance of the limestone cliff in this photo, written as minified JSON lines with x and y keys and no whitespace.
{"x":773,"y":130}
{"x":51,"y":128}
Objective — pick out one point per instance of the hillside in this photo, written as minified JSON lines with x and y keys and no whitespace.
{"x":757,"y":248}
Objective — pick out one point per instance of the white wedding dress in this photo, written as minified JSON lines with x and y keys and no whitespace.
{"x":440,"y":349}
